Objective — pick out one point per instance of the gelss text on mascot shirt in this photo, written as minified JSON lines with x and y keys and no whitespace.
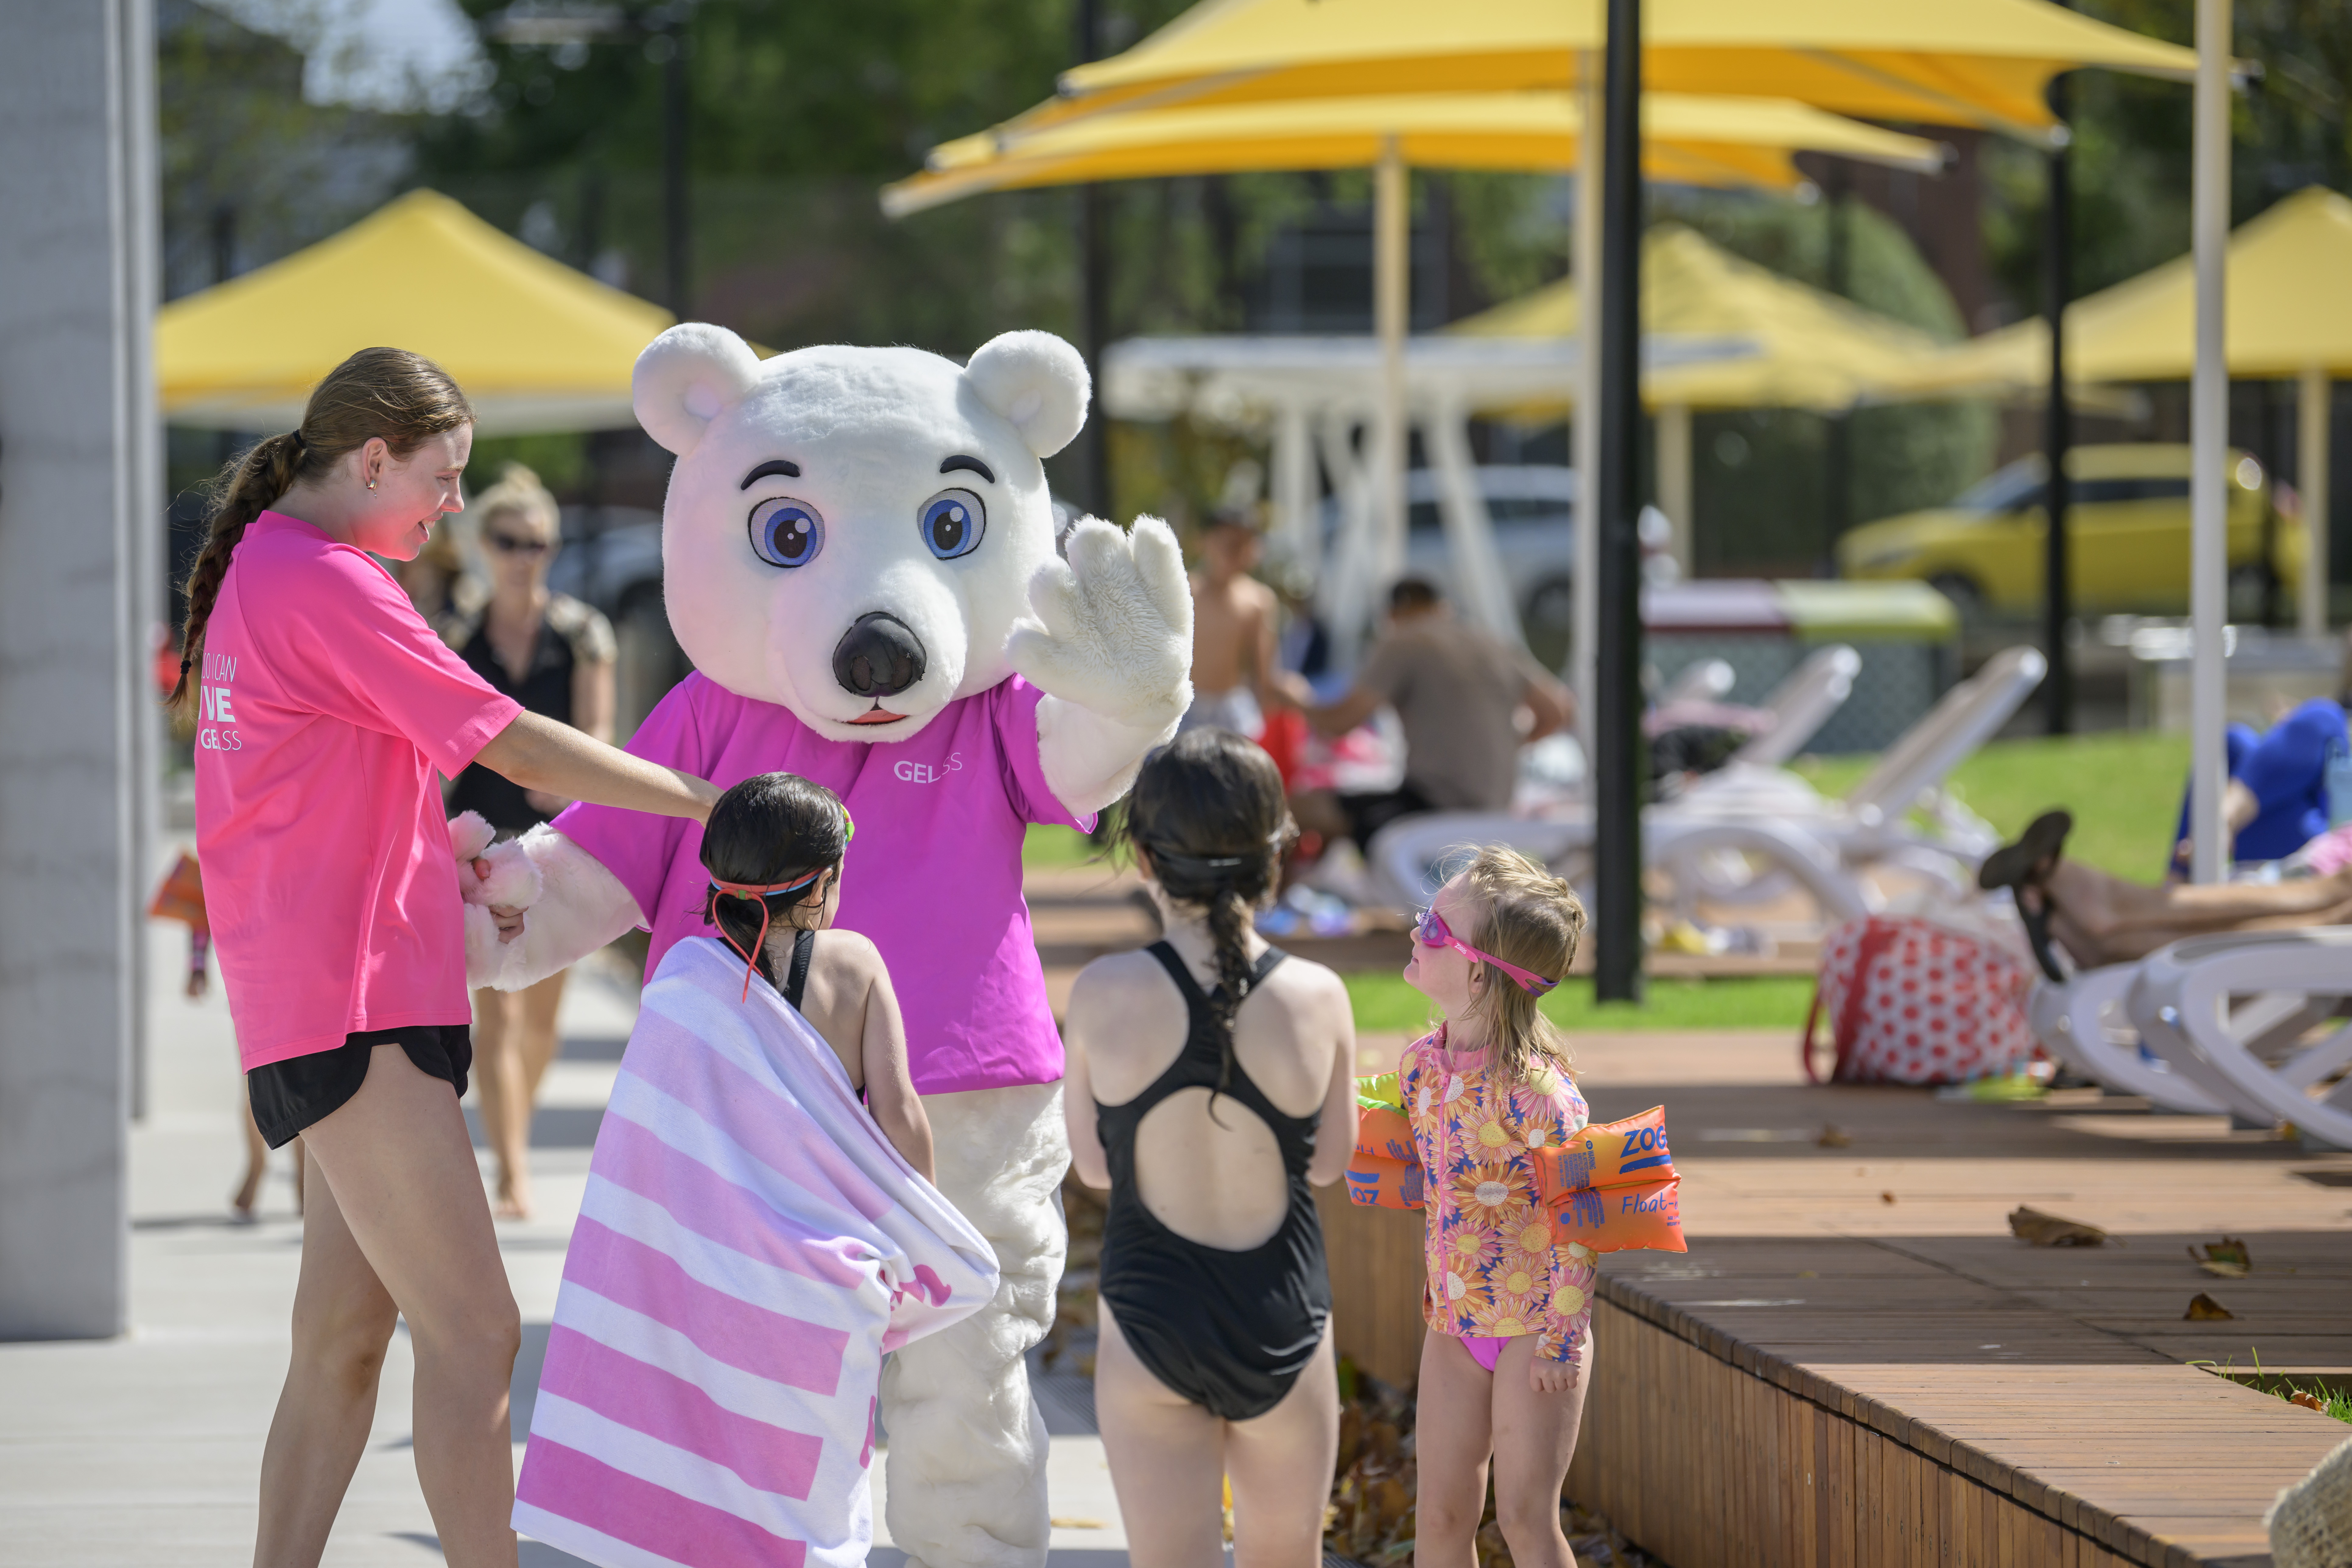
{"x":325,"y":706}
{"x":932,"y":877}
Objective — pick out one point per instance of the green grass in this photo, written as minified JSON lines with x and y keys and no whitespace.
{"x":1384,"y":1002}
{"x":1056,"y":849}
{"x":2123,"y":786}
{"x":2335,"y":1403}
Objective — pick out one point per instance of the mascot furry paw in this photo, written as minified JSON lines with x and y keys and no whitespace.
{"x":858,"y":556}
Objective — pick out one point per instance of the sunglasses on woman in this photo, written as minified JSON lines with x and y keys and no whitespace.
{"x":507,"y":544}
{"x":1432,"y":931}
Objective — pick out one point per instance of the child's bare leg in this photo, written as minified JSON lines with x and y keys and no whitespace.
{"x":257,"y":1166}
{"x":343,"y":1321}
{"x":1535,"y":1437}
{"x":395,"y":1163}
{"x":541,"y":1044}
{"x":1453,"y":1435}
{"x":506,"y":1107}
{"x":1167,"y":1461}
{"x":1280,"y":1464}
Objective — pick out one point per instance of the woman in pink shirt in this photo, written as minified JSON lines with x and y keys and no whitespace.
{"x":325,"y":707}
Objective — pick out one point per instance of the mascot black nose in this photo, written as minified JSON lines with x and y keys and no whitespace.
{"x":879,"y":656}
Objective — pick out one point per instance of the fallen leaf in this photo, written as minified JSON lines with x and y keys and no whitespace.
{"x":2203,"y":1308}
{"x":1887,"y":1197}
{"x":2308,"y":1400}
{"x":2227,"y":1258}
{"x":2052,"y":1230}
{"x":1058,"y":1522}
{"x":1832,"y":1138}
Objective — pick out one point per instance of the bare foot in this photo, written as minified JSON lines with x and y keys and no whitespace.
{"x":248,"y":1193}
{"x":512,"y":1206}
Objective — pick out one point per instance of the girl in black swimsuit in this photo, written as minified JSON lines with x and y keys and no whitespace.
{"x":1210,"y":1085}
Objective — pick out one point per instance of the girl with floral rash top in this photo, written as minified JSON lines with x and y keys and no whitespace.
{"x":1509,"y":1309}
{"x":1493,"y":1272}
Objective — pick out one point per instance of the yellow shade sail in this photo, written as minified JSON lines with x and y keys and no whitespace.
{"x":1691,"y":141}
{"x":1947,"y":62}
{"x":535,"y":345}
{"x":1809,"y":348}
{"x":2289,"y":309}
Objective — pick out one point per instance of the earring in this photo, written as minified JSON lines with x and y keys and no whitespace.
{"x":370,"y":484}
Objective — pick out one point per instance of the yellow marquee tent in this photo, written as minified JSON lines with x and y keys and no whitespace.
{"x":536,"y":345}
{"x":1967,"y":62}
{"x":2289,"y":309}
{"x":1812,"y":350}
{"x":1692,"y":141}
{"x":2287,"y":314}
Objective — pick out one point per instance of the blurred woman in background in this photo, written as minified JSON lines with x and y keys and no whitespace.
{"x":554,"y":654}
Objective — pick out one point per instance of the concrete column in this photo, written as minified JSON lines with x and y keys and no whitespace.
{"x":75,"y":470}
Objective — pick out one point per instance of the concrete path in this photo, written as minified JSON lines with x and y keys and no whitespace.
{"x":145,"y":1449}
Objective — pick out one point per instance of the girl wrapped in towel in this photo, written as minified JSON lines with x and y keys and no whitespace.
{"x":759,"y":1230}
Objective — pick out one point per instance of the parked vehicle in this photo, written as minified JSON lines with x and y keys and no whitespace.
{"x":2127,"y":521}
{"x":1533,"y":509}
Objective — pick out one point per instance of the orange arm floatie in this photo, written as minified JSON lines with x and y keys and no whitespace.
{"x":1386,"y":1172}
{"x":1613,"y":1188}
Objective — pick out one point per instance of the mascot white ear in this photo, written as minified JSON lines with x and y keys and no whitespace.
{"x":686,"y":377}
{"x":1036,"y":381}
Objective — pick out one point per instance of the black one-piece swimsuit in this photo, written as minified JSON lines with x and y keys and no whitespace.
{"x":1229,"y":1330}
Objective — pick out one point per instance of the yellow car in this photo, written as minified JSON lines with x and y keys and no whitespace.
{"x":2128,"y":523}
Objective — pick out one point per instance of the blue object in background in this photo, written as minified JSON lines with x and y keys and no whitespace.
{"x":2289,"y":770}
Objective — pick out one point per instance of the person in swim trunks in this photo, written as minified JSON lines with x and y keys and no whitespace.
{"x":1210,"y":1085}
{"x":1509,"y":1310}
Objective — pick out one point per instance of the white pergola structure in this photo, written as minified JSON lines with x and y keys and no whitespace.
{"x":1311,"y":394}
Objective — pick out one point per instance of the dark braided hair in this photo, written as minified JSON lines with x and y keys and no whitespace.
{"x":1210,"y":811}
{"x":403,"y":397}
{"x":771,"y":828}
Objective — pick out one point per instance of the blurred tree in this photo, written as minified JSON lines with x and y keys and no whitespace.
{"x":249,"y":170}
{"x":2131,"y":143}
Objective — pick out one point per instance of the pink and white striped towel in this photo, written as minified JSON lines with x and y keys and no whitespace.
{"x":749,"y":1247}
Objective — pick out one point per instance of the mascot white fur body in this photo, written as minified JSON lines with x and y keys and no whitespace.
{"x":859,"y":558}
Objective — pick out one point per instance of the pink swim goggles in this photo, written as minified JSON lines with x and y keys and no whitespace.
{"x":1430,"y":929}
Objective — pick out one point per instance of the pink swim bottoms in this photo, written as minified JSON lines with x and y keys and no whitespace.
{"x":1484,"y":1349}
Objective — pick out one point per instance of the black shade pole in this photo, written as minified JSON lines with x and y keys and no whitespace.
{"x":675,"y":215}
{"x":2057,"y":436}
{"x":1094,"y":300}
{"x":1619,"y":763}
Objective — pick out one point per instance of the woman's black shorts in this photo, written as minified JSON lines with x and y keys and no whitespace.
{"x":289,"y":1096}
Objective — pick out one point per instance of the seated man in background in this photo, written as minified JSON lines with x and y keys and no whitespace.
{"x":1459,"y":693}
{"x":1233,"y":617}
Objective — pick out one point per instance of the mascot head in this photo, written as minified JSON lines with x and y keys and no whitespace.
{"x":851,"y":532}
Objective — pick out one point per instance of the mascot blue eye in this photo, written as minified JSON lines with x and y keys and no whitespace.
{"x":786,"y":532}
{"x":953,"y":522}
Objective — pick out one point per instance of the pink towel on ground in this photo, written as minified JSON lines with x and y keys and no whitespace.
{"x":749,"y":1248}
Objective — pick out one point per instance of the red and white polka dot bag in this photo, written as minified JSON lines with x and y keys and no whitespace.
{"x":1911,"y":1000}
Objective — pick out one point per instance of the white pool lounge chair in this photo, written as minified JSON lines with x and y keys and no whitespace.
{"x":2252,"y":1018}
{"x":2082,"y":1025}
{"x":1745,"y":833}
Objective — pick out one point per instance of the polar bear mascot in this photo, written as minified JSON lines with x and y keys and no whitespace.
{"x":858,"y":556}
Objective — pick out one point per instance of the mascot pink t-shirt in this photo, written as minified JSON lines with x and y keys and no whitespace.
{"x":326,"y":706}
{"x":932,"y":877}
